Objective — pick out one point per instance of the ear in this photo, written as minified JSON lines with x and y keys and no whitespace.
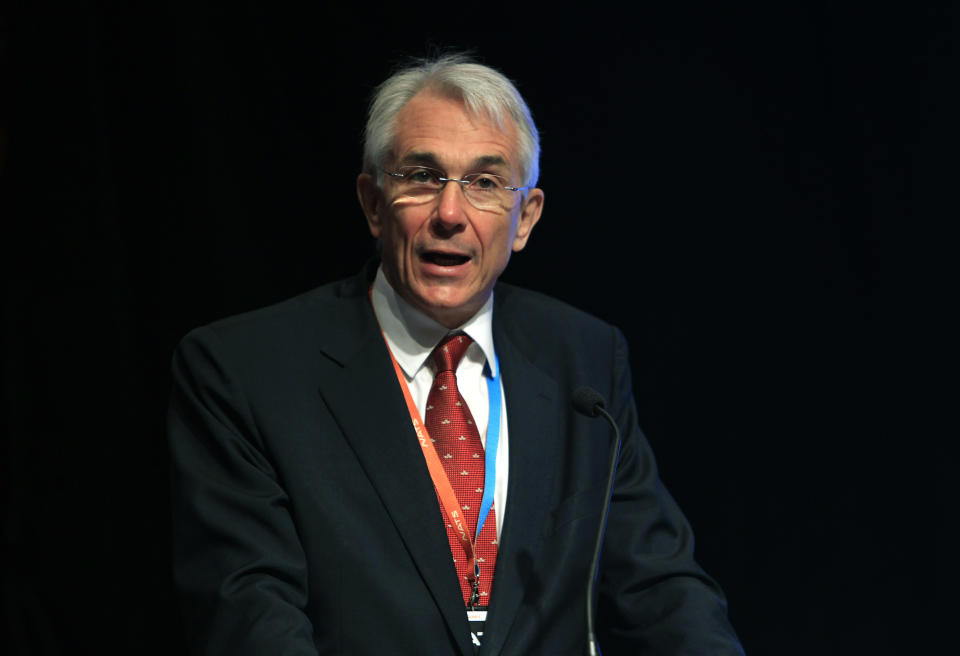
{"x":529,"y":215}
{"x":371,"y":200}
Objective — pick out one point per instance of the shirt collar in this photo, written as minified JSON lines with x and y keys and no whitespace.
{"x":412,"y":335}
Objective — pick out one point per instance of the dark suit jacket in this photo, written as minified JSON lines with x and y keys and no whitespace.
{"x":306,"y":522}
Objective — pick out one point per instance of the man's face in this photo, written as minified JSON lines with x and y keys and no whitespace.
{"x":444,"y":256}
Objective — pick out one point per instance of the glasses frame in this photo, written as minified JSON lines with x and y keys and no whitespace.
{"x":463,"y":182}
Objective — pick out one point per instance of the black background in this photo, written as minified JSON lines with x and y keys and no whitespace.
{"x":754,"y":197}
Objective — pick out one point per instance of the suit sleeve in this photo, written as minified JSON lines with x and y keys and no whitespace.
{"x":238,"y":564}
{"x":654,"y":598}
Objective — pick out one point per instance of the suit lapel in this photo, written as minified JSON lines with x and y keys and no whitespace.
{"x":533,"y":423}
{"x":363,"y":395}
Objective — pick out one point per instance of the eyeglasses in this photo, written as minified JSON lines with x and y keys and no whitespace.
{"x":485,"y":191}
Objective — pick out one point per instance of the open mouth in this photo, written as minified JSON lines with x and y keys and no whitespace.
{"x":444,"y":259}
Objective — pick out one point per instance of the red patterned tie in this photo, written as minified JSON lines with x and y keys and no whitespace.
{"x":457,"y":441}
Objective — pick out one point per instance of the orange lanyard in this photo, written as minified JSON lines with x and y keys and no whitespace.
{"x":448,"y":498}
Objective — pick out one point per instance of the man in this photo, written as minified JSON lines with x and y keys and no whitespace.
{"x":357,"y":468}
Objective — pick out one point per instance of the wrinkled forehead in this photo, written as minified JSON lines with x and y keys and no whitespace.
{"x":437,"y":130}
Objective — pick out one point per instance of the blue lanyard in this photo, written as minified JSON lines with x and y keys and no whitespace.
{"x":493,"y":439}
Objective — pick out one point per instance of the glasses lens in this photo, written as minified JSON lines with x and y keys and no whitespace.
{"x":418,"y":182}
{"x":487,"y":191}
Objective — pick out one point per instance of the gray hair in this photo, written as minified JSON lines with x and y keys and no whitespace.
{"x":483,"y":90}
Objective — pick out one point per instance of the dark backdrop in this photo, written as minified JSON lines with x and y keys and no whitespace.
{"x":753,"y":197}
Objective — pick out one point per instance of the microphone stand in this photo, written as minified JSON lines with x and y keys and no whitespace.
{"x":589,"y":402}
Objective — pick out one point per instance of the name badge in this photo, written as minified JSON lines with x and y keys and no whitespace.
{"x":476,"y":619}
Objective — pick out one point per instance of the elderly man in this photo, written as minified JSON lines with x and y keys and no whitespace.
{"x":391,"y":464}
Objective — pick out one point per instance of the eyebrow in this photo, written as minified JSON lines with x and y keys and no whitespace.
{"x":424,"y":158}
{"x":421,"y":158}
{"x":487,"y":161}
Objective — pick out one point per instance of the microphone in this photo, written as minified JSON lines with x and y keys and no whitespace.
{"x":588,"y":401}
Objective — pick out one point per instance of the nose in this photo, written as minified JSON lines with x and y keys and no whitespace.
{"x":451,"y":206}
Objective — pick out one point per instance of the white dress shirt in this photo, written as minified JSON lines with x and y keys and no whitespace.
{"x":412,"y":336}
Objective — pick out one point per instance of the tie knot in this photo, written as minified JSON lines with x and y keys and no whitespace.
{"x":450,"y":351}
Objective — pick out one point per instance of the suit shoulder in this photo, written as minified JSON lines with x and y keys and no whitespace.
{"x":279,"y":311}
{"x":295,"y":321}
{"x":571,"y":346}
{"x":541,"y":308}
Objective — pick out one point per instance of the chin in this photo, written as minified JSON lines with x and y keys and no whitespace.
{"x":443,"y":296}
{"x":449,"y":308}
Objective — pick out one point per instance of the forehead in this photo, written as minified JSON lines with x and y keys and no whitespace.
{"x":446,"y":130}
